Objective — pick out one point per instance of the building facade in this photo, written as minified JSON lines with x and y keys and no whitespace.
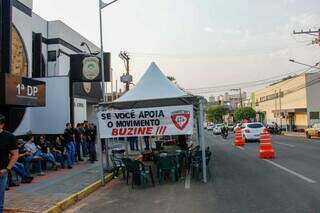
{"x":41,"y":50}
{"x":294,"y":103}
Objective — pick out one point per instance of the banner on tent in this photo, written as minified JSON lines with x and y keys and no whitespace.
{"x":173,"y":120}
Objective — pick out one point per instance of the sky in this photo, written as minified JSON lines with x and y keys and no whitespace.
{"x":202,"y":43}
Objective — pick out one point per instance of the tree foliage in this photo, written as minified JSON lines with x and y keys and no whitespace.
{"x":171,"y":78}
{"x":215,"y":113}
{"x":244,"y":113}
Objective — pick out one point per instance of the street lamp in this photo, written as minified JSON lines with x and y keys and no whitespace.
{"x":101,"y":6}
{"x":85,"y":44}
{"x":307,"y":65}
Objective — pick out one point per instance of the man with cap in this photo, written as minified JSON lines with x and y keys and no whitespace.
{"x":8,"y":157}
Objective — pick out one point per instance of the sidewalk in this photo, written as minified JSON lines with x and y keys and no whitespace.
{"x":295,"y":134}
{"x":44,"y":192}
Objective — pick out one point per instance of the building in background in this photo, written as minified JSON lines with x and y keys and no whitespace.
{"x":231,"y":100}
{"x":293,"y":103}
{"x":41,"y":50}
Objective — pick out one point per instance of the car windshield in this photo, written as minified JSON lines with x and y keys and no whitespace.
{"x":219,"y":125}
{"x":255,"y":126}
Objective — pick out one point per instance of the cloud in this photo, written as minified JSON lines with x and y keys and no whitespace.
{"x":208,"y":29}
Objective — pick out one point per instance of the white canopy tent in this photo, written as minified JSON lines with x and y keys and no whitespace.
{"x":155,"y":90}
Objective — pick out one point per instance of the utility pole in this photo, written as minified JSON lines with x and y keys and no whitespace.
{"x":312,"y":33}
{"x":280,"y":108}
{"x":275,"y":106}
{"x":126,"y":59}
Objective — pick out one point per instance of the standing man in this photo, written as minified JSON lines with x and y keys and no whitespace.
{"x":78,"y":141}
{"x":146,"y":142}
{"x":69,"y":141}
{"x":91,"y":135}
{"x":8,"y":157}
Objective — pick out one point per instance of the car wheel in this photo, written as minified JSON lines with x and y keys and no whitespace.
{"x":308,"y":136}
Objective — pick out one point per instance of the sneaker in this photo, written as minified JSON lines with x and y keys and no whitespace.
{"x":26,"y":181}
{"x":69,"y":167}
{"x":81,"y":159}
{"x":55,"y":167}
{"x":13,"y":184}
{"x":41,"y":174}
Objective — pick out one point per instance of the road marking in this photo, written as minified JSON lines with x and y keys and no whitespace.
{"x":240,"y":147}
{"x":187,"y":182}
{"x":290,"y":171}
{"x":285,"y":144}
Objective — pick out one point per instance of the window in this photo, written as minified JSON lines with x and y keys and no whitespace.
{"x":255,"y":126}
{"x":314,"y":115}
{"x":52,"y":55}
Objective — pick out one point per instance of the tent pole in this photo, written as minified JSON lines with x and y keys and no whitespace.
{"x":107,"y":154}
{"x":201,"y":140}
{"x":127,"y":148}
{"x":101,"y":155}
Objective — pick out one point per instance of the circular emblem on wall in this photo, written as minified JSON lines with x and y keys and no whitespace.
{"x":90,"y":68}
{"x":19,"y":65}
{"x":87,"y":87}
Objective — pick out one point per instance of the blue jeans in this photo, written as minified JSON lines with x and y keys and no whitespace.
{"x":36,"y":164}
{"x":62,"y":158}
{"x":3,"y":185}
{"x":21,"y":170}
{"x":71,"y":152}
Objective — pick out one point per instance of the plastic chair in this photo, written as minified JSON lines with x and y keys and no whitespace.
{"x":166,"y":165}
{"x":137,"y":170}
{"x":116,"y":159}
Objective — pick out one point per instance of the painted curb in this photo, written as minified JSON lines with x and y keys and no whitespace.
{"x":73,"y":199}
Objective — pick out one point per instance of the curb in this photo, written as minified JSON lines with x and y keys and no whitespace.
{"x":73,"y":199}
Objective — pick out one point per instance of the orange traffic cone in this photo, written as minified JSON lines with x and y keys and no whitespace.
{"x":238,"y":139}
{"x":266,"y":150}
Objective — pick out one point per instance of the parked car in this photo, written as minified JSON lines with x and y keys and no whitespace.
{"x":314,"y":131}
{"x":252,"y":131}
{"x":210,"y":127}
{"x":217,"y":129}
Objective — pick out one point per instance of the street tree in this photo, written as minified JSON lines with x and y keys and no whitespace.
{"x":215,"y":113}
{"x":244,"y":113}
{"x":171,"y":78}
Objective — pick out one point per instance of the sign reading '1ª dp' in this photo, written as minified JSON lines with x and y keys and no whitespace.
{"x":173,"y":120}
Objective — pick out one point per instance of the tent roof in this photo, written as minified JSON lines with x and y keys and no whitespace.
{"x":153,"y":89}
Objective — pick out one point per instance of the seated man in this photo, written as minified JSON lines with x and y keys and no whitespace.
{"x":26,"y":158}
{"x":45,"y":147}
{"x":60,"y":152}
{"x":22,"y":172}
{"x":36,"y":152}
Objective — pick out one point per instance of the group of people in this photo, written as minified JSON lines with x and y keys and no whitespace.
{"x":133,"y":142}
{"x":18,"y":157}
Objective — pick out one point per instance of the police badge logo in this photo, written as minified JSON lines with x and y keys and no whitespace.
{"x":87,"y":87}
{"x":90,"y":69}
{"x":180,"y":119}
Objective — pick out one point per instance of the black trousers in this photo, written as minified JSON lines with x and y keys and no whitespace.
{"x":92,"y":151}
{"x":78,"y":148}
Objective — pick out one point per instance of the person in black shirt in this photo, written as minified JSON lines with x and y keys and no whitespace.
{"x":8,"y":157}
{"x":91,"y":138}
{"x":60,"y":152}
{"x":69,"y":141}
{"x":45,"y":147}
{"x":78,"y":141}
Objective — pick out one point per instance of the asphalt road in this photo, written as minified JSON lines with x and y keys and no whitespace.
{"x":241,"y":183}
